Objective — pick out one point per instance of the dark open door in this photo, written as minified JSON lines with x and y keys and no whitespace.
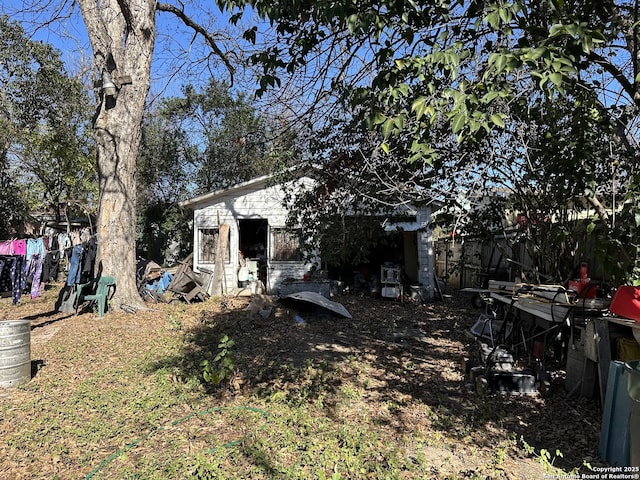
{"x":253,"y":242}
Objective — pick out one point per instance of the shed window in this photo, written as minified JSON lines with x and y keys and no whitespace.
{"x":286,"y":245}
{"x":208,"y":243}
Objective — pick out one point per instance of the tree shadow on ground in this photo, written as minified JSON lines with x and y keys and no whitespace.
{"x":393,"y":354}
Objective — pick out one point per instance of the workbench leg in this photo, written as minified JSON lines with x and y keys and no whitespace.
{"x":603,"y":345}
{"x":589,"y":374}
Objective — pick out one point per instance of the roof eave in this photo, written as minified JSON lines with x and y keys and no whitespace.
{"x":207,"y":197}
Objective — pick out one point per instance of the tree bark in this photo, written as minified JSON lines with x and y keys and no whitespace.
{"x":122,"y":35}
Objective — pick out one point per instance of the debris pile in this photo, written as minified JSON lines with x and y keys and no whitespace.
{"x":157,"y":284}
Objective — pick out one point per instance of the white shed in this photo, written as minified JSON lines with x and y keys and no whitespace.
{"x":261,"y":247}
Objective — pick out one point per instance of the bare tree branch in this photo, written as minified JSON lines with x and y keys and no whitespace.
{"x":188,"y":21}
{"x":619,"y":76}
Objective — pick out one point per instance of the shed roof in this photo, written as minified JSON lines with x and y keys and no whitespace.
{"x":257,"y":183}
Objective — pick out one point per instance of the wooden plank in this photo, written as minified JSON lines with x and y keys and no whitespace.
{"x":475,"y":290}
{"x":556,"y":312}
{"x":219,"y":271}
{"x":589,"y":374}
{"x":437,"y":287}
{"x":514,"y":286}
{"x":627,"y":322}
{"x":590,"y":342}
{"x":530,"y":307}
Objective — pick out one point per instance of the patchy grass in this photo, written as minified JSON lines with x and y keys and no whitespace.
{"x":124,"y":397}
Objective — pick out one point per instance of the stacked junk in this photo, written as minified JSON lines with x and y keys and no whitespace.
{"x":511,"y":352}
{"x":178,"y":284}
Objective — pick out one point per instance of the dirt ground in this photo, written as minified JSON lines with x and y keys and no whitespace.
{"x":410,"y":349}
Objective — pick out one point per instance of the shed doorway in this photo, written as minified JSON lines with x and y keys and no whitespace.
{"x":396,"y":248}
{"x":253,"y":245}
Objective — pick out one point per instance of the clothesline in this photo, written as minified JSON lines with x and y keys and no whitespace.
{"x":32,"y":262}
{"x":58,"y":242}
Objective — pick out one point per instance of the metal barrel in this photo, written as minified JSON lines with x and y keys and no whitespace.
{"x":15,"y":353}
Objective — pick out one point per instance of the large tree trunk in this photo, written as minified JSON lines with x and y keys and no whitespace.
{"x":122,"y":35}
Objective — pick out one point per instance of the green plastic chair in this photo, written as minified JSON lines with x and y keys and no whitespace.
{"x":98,"y":290}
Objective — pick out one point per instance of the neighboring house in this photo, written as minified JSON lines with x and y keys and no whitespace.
{"x":260,"y":245}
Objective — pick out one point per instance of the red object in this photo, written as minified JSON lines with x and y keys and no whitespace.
{"x":583,"y":289}
{"x":584,"y":268}
{"x":538,"y":349}
{"x":626,"y":302}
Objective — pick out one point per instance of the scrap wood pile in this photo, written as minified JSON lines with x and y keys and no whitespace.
{"x":159,"y":285}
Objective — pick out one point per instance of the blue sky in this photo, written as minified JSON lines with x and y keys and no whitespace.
{"x":177,"y":57}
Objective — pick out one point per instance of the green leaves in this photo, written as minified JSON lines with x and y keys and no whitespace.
{"x":477,"y":80}
{"x":499,"y":16}
{"x":222,"y":365}
{"x":421,"y":107}
{"x":458,"y":122}
{"x":44,"y":121}
{"x":580,"y":32}
{"x":250,"y":34}
{"x":498,"y":119}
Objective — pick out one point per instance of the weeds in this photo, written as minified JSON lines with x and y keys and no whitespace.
{"x":545,"y":458}
{"x":175,"y":323}
{"x":222,"y":365}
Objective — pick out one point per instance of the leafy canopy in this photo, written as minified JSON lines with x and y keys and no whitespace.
{"x":44,"y":114}
{"x":460,"y":100}
{"x":406,"y":65}
{"x":201,"y":141}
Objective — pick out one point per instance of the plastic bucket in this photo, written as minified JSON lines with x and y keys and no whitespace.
{"x":633,"y":387}
{"x":243,"y":274}
{"x":15,"y":353}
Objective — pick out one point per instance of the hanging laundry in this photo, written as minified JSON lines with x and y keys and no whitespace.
{"x":75,"y":238}
{"x":51,"y":266}
{"x":33,"y":265}
{"x":34,"y":272}
{"x":85,"y":235}
{"x":6,"y":247}
{"x":19,"y":282}
{"x":64,"y":241}
{"x":53,"y":243}
{"x":20,"y":247}
{"x":75,"y":265}
{"x":90,"y":252}
{"x":35,"y":246}
{"x":12,"y":276}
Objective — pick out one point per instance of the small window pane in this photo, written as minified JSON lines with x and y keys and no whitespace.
{"x":286,"y":245}
{"x":208,"y":242}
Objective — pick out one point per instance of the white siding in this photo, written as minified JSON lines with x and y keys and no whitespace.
{"x":425,"y":253}
{"x":252,"y":202}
